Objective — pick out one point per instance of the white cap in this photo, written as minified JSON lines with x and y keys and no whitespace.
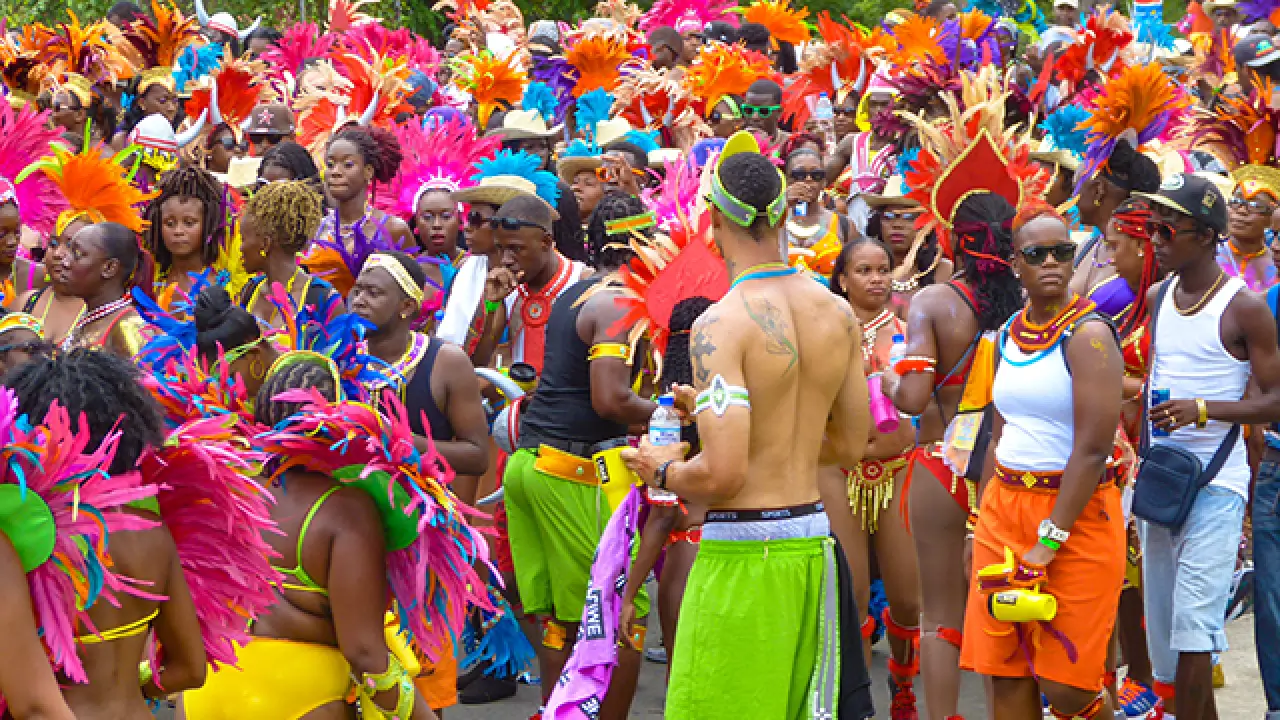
{"x":1073,"y":4}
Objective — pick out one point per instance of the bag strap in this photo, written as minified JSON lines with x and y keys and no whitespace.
{"x":1220,"y":457}
{"x":1145,"y":443}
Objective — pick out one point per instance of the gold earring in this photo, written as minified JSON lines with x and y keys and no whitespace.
{"x":256,"y":370}
{"x":1097,"y":201}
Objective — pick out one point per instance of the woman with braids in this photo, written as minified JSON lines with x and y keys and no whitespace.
{"x":1051,"y":519}
{"x":357,"y":160}
{"x":287,"y":161}
{"x":968,"y":179}
{"x":276,"y":224}
{"x":104,"y":391}
{"x":863,"y":275}
{"x":187,"y":221}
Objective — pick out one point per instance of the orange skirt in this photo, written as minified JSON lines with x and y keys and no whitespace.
{"x":1085,"y":577}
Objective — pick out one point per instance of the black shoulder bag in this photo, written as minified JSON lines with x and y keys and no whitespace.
{"x":1170,"y":476}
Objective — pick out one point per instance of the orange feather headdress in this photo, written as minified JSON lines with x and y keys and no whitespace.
{"x":598,"y":57}
{"x":492,"y":81}
{"x":785,"y":24}
{"x":97,"y":188}
{"x":1136,"y":105}
{"x":723,"y":70}
{"x":1099,"y":49}
{"x":159,"y":42}
{"x":1242,"y":133}
{"x":915,"y":40}
{"x":87,"y":50}
{"x":970,"y":152}
{"x":238,"y":85}
{"x":650,"y":99}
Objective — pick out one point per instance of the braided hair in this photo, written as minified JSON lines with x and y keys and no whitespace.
{"x":191,"y":182}
{"x":984,"y":250}
{"x":311,"y":373}
{"x":611,"y":251}
{"x":101,"y":388}
{"x":292,"y":158}
{"x":1135,"y":218}
{"x":288,"y":211}
{"x":378,"y":148}
{"x":676,"y":365}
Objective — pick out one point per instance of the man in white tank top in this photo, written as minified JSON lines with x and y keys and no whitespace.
{"x":1210,"y":336}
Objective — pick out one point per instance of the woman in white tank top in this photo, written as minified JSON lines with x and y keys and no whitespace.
{"x":1050,"y":512}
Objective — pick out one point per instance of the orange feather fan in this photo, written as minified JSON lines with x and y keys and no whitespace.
{"x":239,"y":90}
{"x":721,"y":70}
{"x":1132,"y":101}
{"x":96,"y":187}
{"x":785,"y":24}
{"x":598,"y":58}
{"x":491,"y":81}
{"x":917,"y":39}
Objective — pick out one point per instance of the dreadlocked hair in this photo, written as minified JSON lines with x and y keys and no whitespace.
{"x":377,"y":146}
{"x":288,"y":211}
{"x":1135,"y":218}
{"x":101,"y":388}
{"x":676,"y":365}
{"x":292,"y":158}
{"x":984,"y":248}
{"x":190,"y":182}
{"x":311,"y":373}
{"x":842,"y":261}
{"x":611,"y":251}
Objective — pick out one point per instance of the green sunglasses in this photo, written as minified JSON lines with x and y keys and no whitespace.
{"x":761,"y":111}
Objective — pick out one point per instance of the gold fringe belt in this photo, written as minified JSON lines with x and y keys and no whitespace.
{"x":871,"y":487}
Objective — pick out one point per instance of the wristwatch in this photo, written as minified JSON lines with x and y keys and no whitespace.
{"x":1049,"y":531}
{"x":660,"y":477}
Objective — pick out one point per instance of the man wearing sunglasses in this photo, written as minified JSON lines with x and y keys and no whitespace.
{"x":780,"y":391}
{"x":762,"y":110}
{"x":1245,"y":253}
{"x":1209,"y":339}
{"x":529,"y":277}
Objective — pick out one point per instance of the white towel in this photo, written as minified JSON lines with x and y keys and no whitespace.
{"x":464,"y":298}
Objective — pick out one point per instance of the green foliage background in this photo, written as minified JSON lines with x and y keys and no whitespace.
{"x":418,"y":16}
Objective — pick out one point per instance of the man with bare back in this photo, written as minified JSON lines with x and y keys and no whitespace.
{"x":767,"y":628}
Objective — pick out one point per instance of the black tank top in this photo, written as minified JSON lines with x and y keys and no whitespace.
{"x":418,"y":398}
{"x":561,"y":407}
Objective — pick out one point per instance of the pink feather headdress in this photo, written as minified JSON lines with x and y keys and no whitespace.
{"x":375,"y":43}
{"x":284,"y":58}
{"x":24,"y":138}
{"x":431,"y":550}
{"x":686,"y":15}
{"x":437,"y":158}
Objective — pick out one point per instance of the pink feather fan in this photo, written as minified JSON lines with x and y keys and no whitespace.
{"x":440,"y":157}
{"x":432,"y":579}
{"x":684,"y":15}
{"x":24,"y":138}
{"x":217,"y":514}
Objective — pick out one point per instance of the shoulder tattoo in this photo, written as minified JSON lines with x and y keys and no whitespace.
{"x":770,"y":320}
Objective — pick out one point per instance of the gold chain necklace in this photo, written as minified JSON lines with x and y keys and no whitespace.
{"x":1203,"y":298}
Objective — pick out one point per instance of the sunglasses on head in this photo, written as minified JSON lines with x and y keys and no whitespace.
{"x":1257,"y":207}
{"x":603,"y":174}
{"x":818,"y":175}
{"x":1037,"y":254}
{"x":511,"y":224}
{"x":760,"y":111}
{"x":229,"y":144}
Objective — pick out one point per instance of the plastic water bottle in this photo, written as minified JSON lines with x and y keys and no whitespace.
{"x":898,"y":351}
{"x":664,"y":429}
{"x":825,"y":114}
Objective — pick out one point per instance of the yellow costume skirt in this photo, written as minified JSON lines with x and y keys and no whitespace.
{"x":275,"y":680}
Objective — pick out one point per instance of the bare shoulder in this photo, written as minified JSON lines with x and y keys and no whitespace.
{"x":452,"y":358}
{"x":348,"y":509}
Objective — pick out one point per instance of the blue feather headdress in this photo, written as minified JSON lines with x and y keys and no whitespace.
{"x":520,"y":164}
{"x":1063,"y":128}
{"x":593,"y":108}
{"x":538,"y":96}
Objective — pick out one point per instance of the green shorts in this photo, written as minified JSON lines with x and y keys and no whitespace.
{"x":758,"y":632}
{"x":555,"y":526}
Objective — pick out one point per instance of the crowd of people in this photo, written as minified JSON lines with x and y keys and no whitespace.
{"x":339,"y":364}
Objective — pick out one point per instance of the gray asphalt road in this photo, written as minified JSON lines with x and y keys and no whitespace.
{"x":1241,"y":699}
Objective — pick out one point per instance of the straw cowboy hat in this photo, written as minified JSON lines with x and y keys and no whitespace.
{"x":895,"y":193}
{"x":524,"y":125}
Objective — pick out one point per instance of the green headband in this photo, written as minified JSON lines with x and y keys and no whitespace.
{"x":742,"y":213}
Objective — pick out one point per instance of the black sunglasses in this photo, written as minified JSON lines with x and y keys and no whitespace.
{"x":814,"y":175}
{"x":475,"y":219}
{"x":1037,"y":254}
{"x":266,"y":139}
{"x":229,"y":144}
{"x":511,"y":224}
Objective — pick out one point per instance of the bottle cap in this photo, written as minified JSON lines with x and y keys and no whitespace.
{"x":899,"y":338}
{"x":667,"y":401}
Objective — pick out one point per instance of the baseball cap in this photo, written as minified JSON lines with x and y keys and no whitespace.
{"x":1194,"y":196}
{"x":1074,"y":4}
{"x":1257,"y":50}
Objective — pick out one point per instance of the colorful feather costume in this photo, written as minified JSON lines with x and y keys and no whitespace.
{"x":370,"y":93}
{"x":689,"y":15}
{"x":840,"y":67}
{"x":237,"y":89}
{"x":86,"y":50}
{"x":1242,"y":133}
{"x":1137,"y":105}
{"x":785,"y":23}
{"x":492,"y":82}
{"x":723,"y":70}
{"x":160,"y":41}
{"x":24,"y":137}
{"x":970,"y":152}
{"x":96,"y":188}
{"x":917,"y":42}
{"x":650,"y":99}
{"x":375,"y":43}
{"x":560,"y":77}
{"x":438,"y":158}
{"x":23,"y":74}
{"x":430,"y":547}
{"x":61,"y":506}
{"x":1098,"y":54}
{"x":622,"y":12}
{"x":345,"y":15}
{"x":598,"y":59}
{"x":328,"y":330}
{"x":284,"y":58}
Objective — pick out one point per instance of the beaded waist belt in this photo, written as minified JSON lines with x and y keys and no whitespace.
{"x":1049,"y":481}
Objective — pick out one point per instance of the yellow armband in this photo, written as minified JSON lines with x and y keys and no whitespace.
{"x":620,"y":351}
{"x":395,"y":676}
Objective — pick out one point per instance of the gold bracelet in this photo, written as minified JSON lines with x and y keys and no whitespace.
{"x":1203,"y":407}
